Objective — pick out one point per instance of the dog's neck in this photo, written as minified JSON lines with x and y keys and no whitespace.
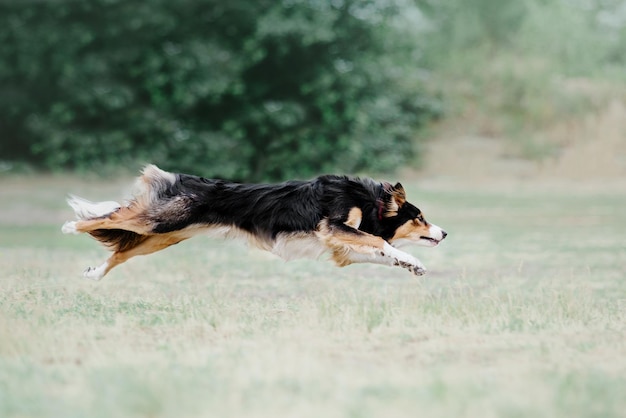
{"x":380,"y":201}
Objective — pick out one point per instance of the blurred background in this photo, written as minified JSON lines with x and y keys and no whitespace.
{"x":261,"y":90}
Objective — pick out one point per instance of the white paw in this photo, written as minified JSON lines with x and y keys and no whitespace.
{"x":69,"y":228}
{"x":413,"y":265}
{"x":417,"y":269}
{"x":404,"y":260}
{"x":84,"y":209}
{"x":94,"y":273}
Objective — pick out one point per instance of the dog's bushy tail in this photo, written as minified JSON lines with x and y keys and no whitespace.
{"x":152,"y":185}
{"x":149,"y":188}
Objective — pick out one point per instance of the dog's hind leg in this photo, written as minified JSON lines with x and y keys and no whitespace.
{"x":85,"y":209}
{"x":146,"y":245}
{"x":108,"y":215}
{"x":125,"y":218}
{"x":117,"y":258}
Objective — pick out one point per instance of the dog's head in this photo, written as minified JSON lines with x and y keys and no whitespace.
{"x":406,"y":223}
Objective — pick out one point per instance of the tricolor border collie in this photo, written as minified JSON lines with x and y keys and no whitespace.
{"x":357,"y":220}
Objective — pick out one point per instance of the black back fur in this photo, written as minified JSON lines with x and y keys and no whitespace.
{"x":268,"y":209}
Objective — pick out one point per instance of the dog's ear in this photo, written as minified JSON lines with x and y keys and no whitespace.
{"x":398,"y":194}
{"x":396,"y":197}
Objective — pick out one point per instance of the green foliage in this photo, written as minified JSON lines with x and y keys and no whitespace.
{"x":516,"y":69}
{"x":583,"y":37}
{"x":467,"y":23}
{"x":241,"y":89}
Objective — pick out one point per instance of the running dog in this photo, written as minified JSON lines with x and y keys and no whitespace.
{"x":357,"y":220}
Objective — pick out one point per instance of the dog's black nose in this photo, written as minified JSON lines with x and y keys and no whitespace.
{"x":443,"y":234}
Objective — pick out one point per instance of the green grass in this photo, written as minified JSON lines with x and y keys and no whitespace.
{"x":522,"y":314}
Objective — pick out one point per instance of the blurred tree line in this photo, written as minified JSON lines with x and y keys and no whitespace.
{"x":519,"y":71}
{"x":269,"y":89}
{"x":584,"y":36}
{"x":247,"y":89}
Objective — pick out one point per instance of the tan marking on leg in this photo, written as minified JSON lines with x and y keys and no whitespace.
{"x":341,"y":243}
{"x":152,"y":244}
{"x":355,"y":216}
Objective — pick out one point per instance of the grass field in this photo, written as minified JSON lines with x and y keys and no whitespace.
{"x":522,"y":314}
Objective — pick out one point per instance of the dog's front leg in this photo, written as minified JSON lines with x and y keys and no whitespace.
{"x":349,"y":245}
{"x":388,"y":256}
{"x":402,"y":259}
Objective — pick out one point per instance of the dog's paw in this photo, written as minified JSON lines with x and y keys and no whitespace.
{"x":69,"y":228}
{"x":404,"y":260}
{"x":419,"y":270}
{"x":416,"y":268}
{"x":412,"y":264}
{"x":93,"y":273}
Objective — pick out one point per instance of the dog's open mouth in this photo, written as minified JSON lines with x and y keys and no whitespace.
{"x":432,"y":240}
